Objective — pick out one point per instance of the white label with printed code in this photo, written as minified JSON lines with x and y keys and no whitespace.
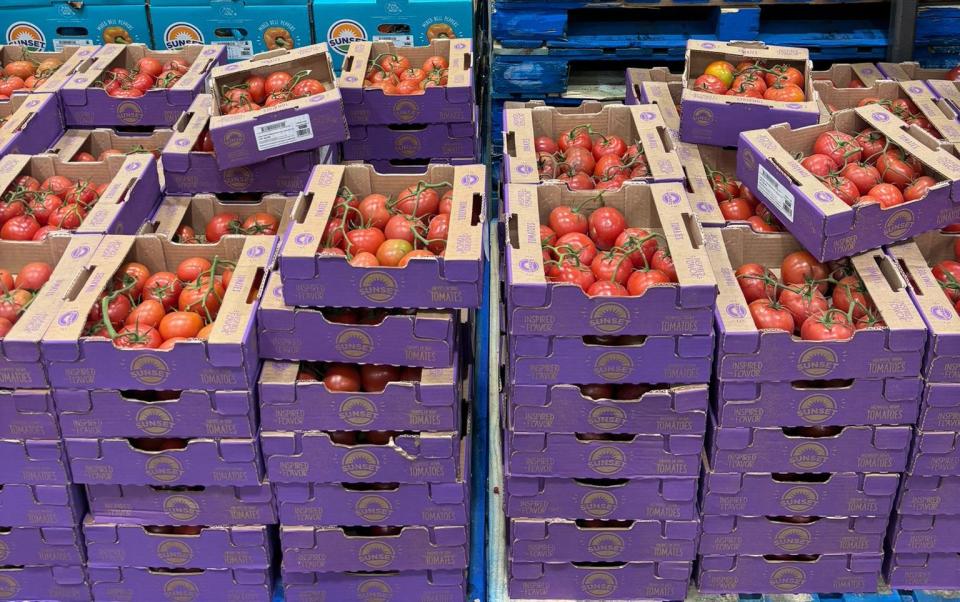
{"x":283,"y":132}
{"x":775,"y":192}
{"x":237,"y":50}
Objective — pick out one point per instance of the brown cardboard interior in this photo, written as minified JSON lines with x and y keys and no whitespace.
{"x":131,"y":54}
{"x":196,"y":211}
{"x":719,"y":158}
{"x":584,"y":108}
{"x":416,"y":54}
{"x":16,"y":254}
{"x":843,"y":74}
{"x":99,"y":140}
{"x":42,"y":167}
{"x":841,"y":98}
{"x":912,"y":70}
{"x":936,"y":246}
{"x":12,"y":121}
{"x":191,"y":124}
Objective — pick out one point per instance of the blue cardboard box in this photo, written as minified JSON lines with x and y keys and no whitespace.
{"x":53,"y":24}
{"x":245,"y":27}
{"x":403,"y":22}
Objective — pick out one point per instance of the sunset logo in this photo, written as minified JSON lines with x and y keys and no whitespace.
{"x":181,"y":34}
{"x":26,"y":34}
{"x":342,"y":33}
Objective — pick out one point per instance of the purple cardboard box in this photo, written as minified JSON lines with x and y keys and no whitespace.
{"x":757,"y":535}
{"x":69,"y":57}
{"x":95,"y":142}
{"x":179,"y":505}
{"x":337,"y":549}
{"x":821,"y":221}
{"x":289,"y":404}
{"x":647,"y":86}
{"x":86,"y":104}
{"x":420,"y":141}
{"x":746,"y":353}
{"x":41,"y":505}
{"x":666,"y":580}
{"x":641,"y":498}
{"x":422,"y":338}
{"x":592,"y":457}
{"x":190,"y":462}
{"x":314,"y":457}
{"x":299,"y":124}
{"x":560,"y":540}
{"x":113,"y":413}
{"x":29,"y":124}
{"x":410,"y":586}
{"x":33,"y":462}
{"x":909,"y":70}
{"x":538,"y":307}
{"x":926,"y":496}
{"x":187,"y":170}
{"x":60,"y":583}
{"x":27,"y":414}
{"x":216,"y":547}
{"x":799,"y":403}
{"x":717,"y":119}
{"x":811,"y":449}
{"x":823,"y":494}
{"x":940,"y":409}
{"x":936,"y":454}
{"x":566,"y":409}
{"x":197,"y":210}
{"x":925,"y":534}
{"x":543,"y":360}
{"x":453,"y":281}
{"x":172,"y":585}
{"x":59,"y":546}
{"x":847,"y":573}
{"x":923,"y":571}
{"x":452,"y":102}
{"x":227,"y":360}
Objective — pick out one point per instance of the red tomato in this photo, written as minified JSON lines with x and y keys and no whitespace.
{"x":947,"y":273}
{"x":736,"y":210}
{"x":363,"y":259}
{"x":894,"y":169}
{"x":133,"y":275}
{"x":6,"y":280}
{"x":255,"y":86}
{"x":21,"y":227}
{"x":577,"y":159}
{"x":605,"y":226}
{"x":722,"y":70}
{"x":143,"y":82}
{"x":437,"y":233}
{"x":150,"y":65}
{"x":43,"y":206}
{"x":710,"y":84}
{"x":58,"y":185}
{"x":887,"y":195}
{"x":164,"y":287}
{"x":148,"y":313}
{"x":545,"y":144}
{"x":918,"y":189}
{"x":392,"y":251}
{"x":202,"y":297}
{"x":606,"y":288}
{"x":803,"y":302}
{"x":261,"y":223}
{"x":800,"y":267}
{"x":221,"y":224}
{"x":758,"y":224}
{"x":840,"y":147}
{"x":307,"y":87}
{"x":843,"y":188}
{"x":276,"y":82}
{"x":756,"y":282}
{"x":609,"y":145}
{"x":614,"y":267}
{"x":872,"y":142}
{"x":5,"y":326}
{"x":418,"y":200}
{"x":663,"y":261}
{"x":770,"y":315}
{"x":192,"y":268}
{"x":579,"y":275}
{"x":781,"y":92}
{"x":341,"y":377}
{"x":563,"y":219}
{"x":827,"y":326}
{"x":784,"y":74}
{"x":640,"y":244}
{"x":725,"y":188}
{"x":31,"y":277}
{"x":83,"y":157}
{"x":819,"y":164}
{"x":642,"y":279}
{"x":413,"y":255}
{"x":138,"y":337}
{"x":576,"y":137}
{"x":576,"y":244}
{"x":375,"y":378}
{"x":862,"y":175}
{"x":850,"y":291}
{"x":394,"y":63}
{"x":373,"y":211}
{"x":364,"y":240}
{"x":185,"y":324}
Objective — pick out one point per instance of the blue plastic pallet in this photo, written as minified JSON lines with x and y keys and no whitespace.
{"x":937,"y":40}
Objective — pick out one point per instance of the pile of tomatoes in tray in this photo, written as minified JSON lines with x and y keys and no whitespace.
{"x":737,"y":203}
{"x":30,"y":209}
{"x":904,"y":108}
{"x":17,"y":291}
{"x":257,"y":92}
{"x":754,"y":79}
{"x":86,"y":157}
{"x":228,"y":222}
{"x":947,"y":273}
{"x":587,"y":160}
{"x":148,"y":74}
{"x":395,"y":75}
{"x":26,"y":74}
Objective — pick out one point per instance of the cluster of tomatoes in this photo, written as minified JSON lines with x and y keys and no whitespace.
{"x":780,"y":83}
{"x":903,"y":108}
{"x":18,"y":290}
{"x":149,"y":73}
{"x":86,"y":157}
{"x":30,"y":209}
{"x":585,"y":163}
{"x":156,"y":311}
{"x":815,"y":300}
{"x":379,"y":231}
{"x":947,"y":273}
{"x":257,"y":92}
{"x":394,"y":74}
{"x":228,"y":222}
{"x":737,"y":203}
{"x":600,"y":254}
{"x":865,"y":168}
{"x":26,"y":75}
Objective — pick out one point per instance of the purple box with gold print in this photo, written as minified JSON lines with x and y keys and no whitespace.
{"x":643,"y":498}
{"x":423,"y":338}
{"x":746,"y":353}
{"x":411,"y":586}
{"x":666,"y":580}
{"x":940,"y":408}
{"x":758,"y":535}
{"x":936,"y":453}
{"x":314,"y":457}
{"x":164,"y":585}
{"x":86,"y":104}
{"x":824,"y":494}
{"x":811,"y":449}
{"x":60,"y":583}
{"x":925,"y":534}
{"x":420,"y":141}
{"x":566,"y":409}
{"x":560,"y":540}
{"x":849,"y":573}
{"x":337,"y":549}
{"x":923,"y":571}
{"x":49,"y":546}
{"x":113,"y":413}
{"x":27,"y":414}
{"x":929,"y":495}
{"x":41,"y":505}
{"x":30,"y":123}
{"x":151,"y":462}
{"x":233,"y":547}
{"x":180,"y":505}
{"x":33,"y":462}
{"x":601,"y":456}
{"x":807,"y":403}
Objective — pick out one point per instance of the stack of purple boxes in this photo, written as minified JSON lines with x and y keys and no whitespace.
{"x":401,"y":132}
{"x":365,"y":428}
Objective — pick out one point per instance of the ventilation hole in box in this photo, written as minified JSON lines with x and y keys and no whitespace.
{"x":72,"y":31}
{"x":230,"y":33}
{"x":836,"y":383}
{"x":476,"y":208}
{"x":812,"y":431}
{"x":890,"y":273}
{"x":593,"y":523}
{"x":371,"y":486}
{"x":791,"y":477}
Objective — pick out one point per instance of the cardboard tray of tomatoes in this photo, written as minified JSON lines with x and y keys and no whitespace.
{"x":825,"y":223}
{"x":225,"y":359}
{"x":42,"y":505}
{"x":929,"y":495}
{"x":34,"y":462}
{"x":915,"y":571}
{"x":449,"y":102}
{"x":940,"y":408}
{"x":29,"y":124}
{"x":43,"y":72}
{"x":668,"y":580}
{"x":925,"y":534}
{"x":142,"y":583}
{"x":849,"y":75}
{"x":67,"y":583}
{"x":190,"y":163}
{"x":659,"y":213}
{"x":108,"y":197}
{"x":716,"y":118}
{"x":131,"y":85}
{"x":204,"y":219}
{"x":423,"y":584}
{"x":454,"y":280}
{"x":417,"y":141}
{"x":795,"y":574}
{"x":290,"y":119}
{"x":775,"y":535}
{"x":202,"y":505}
{"x":531,"y":134}
{"x":88,"y":146}
{"x":27,"y":414}
{"x":911,"y":70}
{"x":936,"y":453}
{"x":930,"y":263}
{"x":891,"y":343}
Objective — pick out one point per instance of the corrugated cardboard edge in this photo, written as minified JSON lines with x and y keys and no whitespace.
{"x":931,"y":299}
{"x":891,"y":126}
{"x":189,"y":126}
{"x":257,"y":254}
{"x":75,"y":55}
{"x":660,"y":91}
{"x":729,"y":293}
{"x":464,"y":240}
{"x":23,"y":114}
{"x":941,"y":115}
{"x":882,"y":89}
{"x":100,"y":61}
{"x":111,"y":202}
{"x":206,"y":56}
{"x":894,"y":304}
{"x":703,"y":201}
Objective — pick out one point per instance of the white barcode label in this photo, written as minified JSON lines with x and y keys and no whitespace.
{"x":61,"y":43}
{"x":283,"y":132}
{"x":775,"y":192}
{"x":399,"y":40}
{"x":238,"y":50}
